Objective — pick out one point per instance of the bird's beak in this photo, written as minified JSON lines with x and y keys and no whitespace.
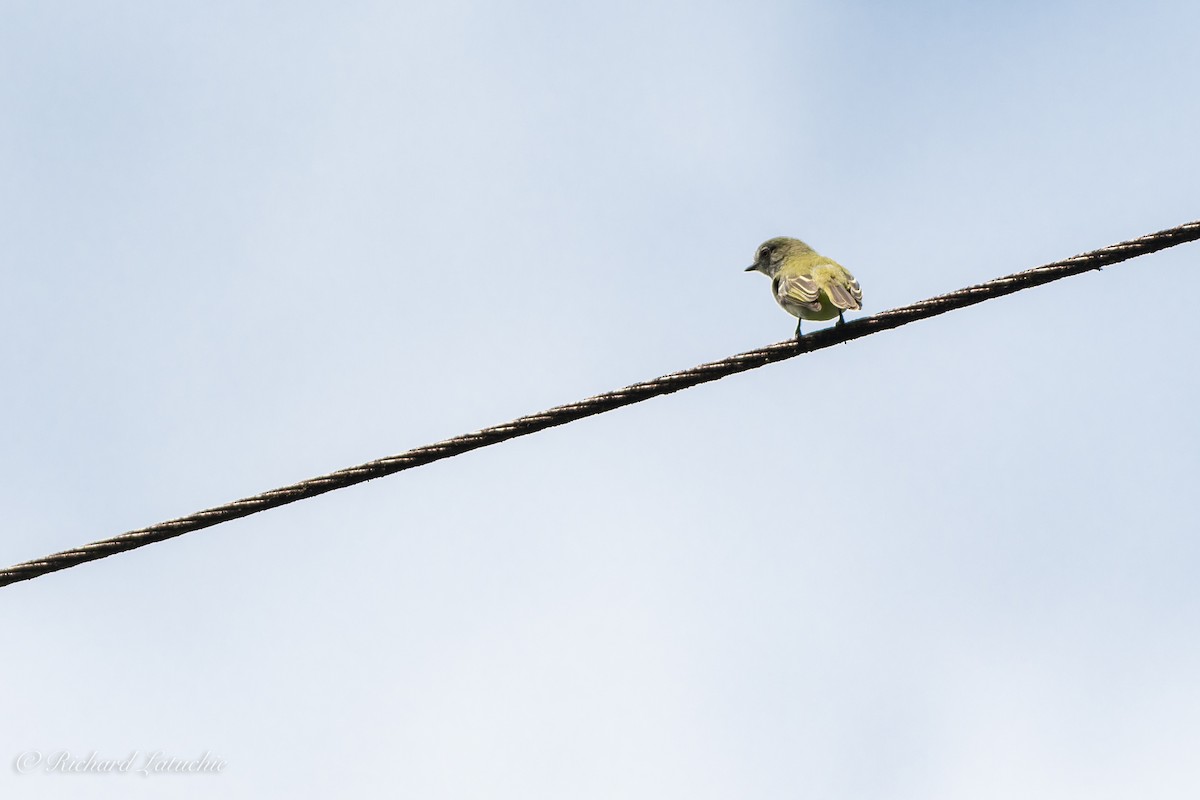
{"x":751,"y":268}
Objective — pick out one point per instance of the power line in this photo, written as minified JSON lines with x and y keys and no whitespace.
{"x":635,"y":393}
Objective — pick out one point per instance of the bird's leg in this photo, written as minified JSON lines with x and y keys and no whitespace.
{"x":798,"y":334}
{"x":841,"y":319}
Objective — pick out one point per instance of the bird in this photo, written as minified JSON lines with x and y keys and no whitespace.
{"x":805,"y":283}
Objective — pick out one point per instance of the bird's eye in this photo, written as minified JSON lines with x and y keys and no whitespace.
{"x":764,"y":254}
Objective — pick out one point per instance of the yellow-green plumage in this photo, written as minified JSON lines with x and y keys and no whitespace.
{"x":805,"y":283}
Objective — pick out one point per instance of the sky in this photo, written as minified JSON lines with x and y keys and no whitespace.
{"x":246,"y":243}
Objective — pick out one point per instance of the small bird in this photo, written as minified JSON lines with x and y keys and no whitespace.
{"x":807,"y":284}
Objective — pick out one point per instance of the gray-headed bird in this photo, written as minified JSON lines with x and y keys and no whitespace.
{"x":807,"y":284}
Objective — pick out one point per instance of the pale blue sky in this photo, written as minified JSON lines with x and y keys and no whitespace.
{"x":247,"y":243}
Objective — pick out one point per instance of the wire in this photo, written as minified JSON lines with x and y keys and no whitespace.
{"x":608,"y":401}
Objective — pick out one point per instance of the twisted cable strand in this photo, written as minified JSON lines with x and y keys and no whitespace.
{"x":635,"y":393}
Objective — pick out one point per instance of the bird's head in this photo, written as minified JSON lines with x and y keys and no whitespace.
{"x":772,"y":253}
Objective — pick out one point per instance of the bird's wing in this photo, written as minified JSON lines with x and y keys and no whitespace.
{"x":799,"y":290}
{"x":844,"y":292}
